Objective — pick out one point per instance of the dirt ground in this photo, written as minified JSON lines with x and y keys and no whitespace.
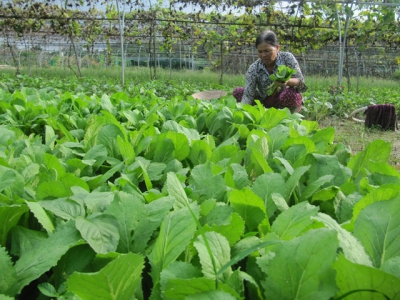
{"x":6,"y":67}
{"x":357,"y":136}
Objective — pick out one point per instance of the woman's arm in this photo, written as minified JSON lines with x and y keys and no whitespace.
{"x":251,"y":85}
{"x":297,"y":80}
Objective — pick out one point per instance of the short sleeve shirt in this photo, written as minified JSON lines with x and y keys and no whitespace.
{"x":257,"y":77}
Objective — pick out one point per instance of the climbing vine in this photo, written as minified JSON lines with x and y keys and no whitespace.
{"x":218,"y":27}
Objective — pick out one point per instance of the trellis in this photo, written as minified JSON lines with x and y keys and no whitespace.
{"x":320,"y":62}
{"x":236,"y":61}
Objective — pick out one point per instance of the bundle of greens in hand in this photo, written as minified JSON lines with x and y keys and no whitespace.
{"x":283,"y":74}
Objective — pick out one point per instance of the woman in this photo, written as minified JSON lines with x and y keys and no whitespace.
{"x":258,"y":80}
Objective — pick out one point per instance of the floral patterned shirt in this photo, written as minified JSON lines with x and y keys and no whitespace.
{"x":257,"y":77}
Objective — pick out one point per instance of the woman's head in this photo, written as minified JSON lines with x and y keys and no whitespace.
{"x":267,"y":47}
{"x":268,"y":37}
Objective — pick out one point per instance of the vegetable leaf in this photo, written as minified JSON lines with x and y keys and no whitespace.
{"x":301,"y":268}
{"x":283,"y":74}
{"x":42,"y":216}
{"x":128,"y":211}
{"x":9,"y":217}
{"x":220,"y":249}
{"x":351,"y":276}
{"x":100,"y":231}
{"x":180,"y":289}
{"x":352,"y":248}
{"x":293,"y":221}
{"x":119,"y":279}
{"x":157,"y":210}
{"x":378,"y":229}
{"x":8,"y":277}
{"x":249,"y":206}
{"x":46,"y":254}
{"x":376,"y":151}
{"x":176,"y":231}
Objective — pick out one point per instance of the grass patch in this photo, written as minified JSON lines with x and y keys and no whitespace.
{"x":140,"y":74}
{"x":136,"y":74}
{"x":357,"y":136}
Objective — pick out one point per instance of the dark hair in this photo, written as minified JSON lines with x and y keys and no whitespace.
{"x":267,"y":36}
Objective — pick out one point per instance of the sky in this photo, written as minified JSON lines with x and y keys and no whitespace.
{"x":165,"y":4}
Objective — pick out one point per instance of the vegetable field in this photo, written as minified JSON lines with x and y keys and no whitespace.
{"x":147,"y":193}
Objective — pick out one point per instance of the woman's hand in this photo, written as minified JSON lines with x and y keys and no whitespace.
{"x":291,"y":82}
{"x":281,"y":84}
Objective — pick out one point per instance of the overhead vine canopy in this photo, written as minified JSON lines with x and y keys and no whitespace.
{"x":211,"y":24}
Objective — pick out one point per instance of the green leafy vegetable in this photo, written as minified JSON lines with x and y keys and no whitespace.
{"x":220,"y":250}
{"x":8,"y":276}
{"x":301,"y":268}
{"x":378,"y":229}
{"x":45,"y":255}
{"x":351,"y":276}
{"x":117,"y":280}
{"x":283,"y":74}
{"x":176,"y":231}
{"x":137,"y":196}
{"x":101,"y":231}
{"x":9,"y":217}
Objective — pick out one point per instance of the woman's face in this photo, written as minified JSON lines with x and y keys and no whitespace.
{"x":267,"y":53}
